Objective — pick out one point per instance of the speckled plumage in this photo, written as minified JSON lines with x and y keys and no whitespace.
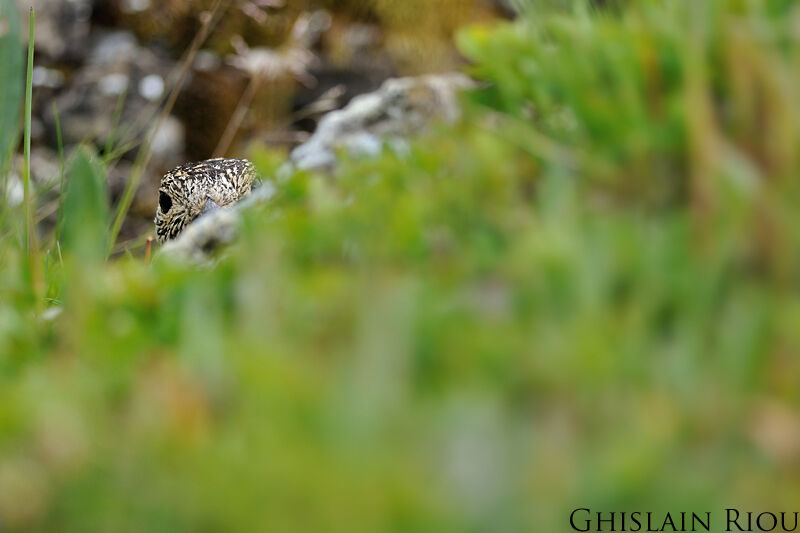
{"x":186,"y":191}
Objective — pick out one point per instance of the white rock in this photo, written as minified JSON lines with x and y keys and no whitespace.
{"x":151,"y":87}
{"x":401,"y":107}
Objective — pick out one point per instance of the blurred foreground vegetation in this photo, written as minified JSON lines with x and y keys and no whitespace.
{"x":582,"y":295}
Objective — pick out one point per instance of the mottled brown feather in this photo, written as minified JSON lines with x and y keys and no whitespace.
{"x":186,"y":189}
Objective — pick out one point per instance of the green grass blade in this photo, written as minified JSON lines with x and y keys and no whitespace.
{"x":86,"y":211}
{"x":10,"y":99}
{"x":60,"y":142}
{"x":29,"y":231}
{"x":10,"y":80}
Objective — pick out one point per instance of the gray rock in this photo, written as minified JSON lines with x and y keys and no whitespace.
{"x":400,"y":108}
{"x":114,"y":47}
{"x":116,"y":67}
{"x":47,"y":77}
{"x":62,"y":26}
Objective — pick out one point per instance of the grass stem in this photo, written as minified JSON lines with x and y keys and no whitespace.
{"x":29,"y":231}
{"x":31,"y":246}
{"x":60,"y":143}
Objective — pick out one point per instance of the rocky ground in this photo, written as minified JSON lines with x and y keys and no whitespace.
{"x":266,"y":72}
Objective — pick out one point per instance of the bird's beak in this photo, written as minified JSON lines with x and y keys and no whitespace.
{"x":209,"y":206}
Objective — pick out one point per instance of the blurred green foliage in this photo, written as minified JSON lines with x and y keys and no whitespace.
{"x":582,"y":295}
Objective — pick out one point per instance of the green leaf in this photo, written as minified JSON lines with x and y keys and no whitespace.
{"x":86,"y":209}
{"x":11,"y":78}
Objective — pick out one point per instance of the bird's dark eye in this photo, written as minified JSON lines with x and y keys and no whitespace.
{"x":164,"y":201}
